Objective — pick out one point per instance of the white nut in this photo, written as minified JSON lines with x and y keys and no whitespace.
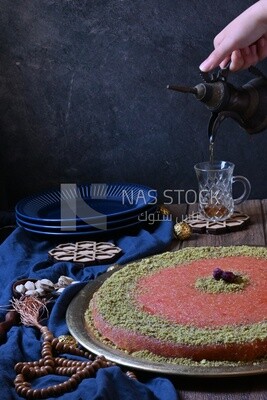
{"x":60,"y":290}
{"x":20,"y":289}
{"x":38,"y":284}
{"x":41,"y":292}
{"x":29,"y":285}
{"x":31,"y":292}
{"x":45,"y":284}
{"x":64,"y":281}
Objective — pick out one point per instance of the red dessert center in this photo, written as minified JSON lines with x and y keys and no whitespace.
{"x":171,"y":294}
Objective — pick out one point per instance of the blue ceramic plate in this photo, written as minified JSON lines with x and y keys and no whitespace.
{"x":145,"y":216}
{"x":89,"y":232}
{"x":88,"y":203}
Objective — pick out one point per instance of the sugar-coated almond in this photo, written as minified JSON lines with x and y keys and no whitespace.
{"x":20,"y":289}
{"x":29,"y":285}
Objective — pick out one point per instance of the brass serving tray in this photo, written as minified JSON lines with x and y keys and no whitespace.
{"x":86,"y":337}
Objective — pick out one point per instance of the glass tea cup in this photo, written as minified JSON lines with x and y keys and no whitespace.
{"x":215,"y":180}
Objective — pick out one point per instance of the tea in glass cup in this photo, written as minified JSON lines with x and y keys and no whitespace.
{"x":215,"y":180}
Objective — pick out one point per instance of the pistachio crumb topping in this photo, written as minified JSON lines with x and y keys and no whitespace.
{"x":144,"y":354}
{"x":151,"y":357}
{"x":210,"y":285}
{"x":116,"y":294}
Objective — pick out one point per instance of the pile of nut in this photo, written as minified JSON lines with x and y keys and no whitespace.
{"x":44,"y":287}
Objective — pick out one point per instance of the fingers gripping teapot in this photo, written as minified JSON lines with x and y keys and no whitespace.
{"x":246,"y":104}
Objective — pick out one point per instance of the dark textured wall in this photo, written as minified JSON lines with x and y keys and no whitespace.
{"x":84,"y":99}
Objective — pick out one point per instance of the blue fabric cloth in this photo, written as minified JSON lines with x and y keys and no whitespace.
{"x":25,"y":256}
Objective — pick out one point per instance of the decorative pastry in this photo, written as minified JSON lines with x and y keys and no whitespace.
{"x":204,"y":303}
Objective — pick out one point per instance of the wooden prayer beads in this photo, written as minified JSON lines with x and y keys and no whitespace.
{"x":11,"y":318}
{"x":48,"y":364}
{"x":29,"y":309}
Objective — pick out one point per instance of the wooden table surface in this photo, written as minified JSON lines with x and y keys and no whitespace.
{"x":245,"y":388}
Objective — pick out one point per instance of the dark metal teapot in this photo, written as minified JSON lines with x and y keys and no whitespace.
{"x":246,"y":104}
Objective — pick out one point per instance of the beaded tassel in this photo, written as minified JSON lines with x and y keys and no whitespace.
{"x":30,"y":310}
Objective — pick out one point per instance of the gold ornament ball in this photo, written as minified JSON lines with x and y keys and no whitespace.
{"x":182,"y":230}
{"x":68,"y":339}
{"x":164,"y":210}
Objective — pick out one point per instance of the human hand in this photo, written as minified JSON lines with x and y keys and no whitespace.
{"x":243,"y":41}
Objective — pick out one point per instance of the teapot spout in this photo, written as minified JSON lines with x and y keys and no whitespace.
{"x":183,"y":89}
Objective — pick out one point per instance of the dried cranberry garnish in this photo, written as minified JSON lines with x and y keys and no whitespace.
{"x":217,"y":274}
{"x":228,"y":276}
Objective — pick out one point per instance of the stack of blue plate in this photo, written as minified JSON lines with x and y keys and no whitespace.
{"x":87,"y":209}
